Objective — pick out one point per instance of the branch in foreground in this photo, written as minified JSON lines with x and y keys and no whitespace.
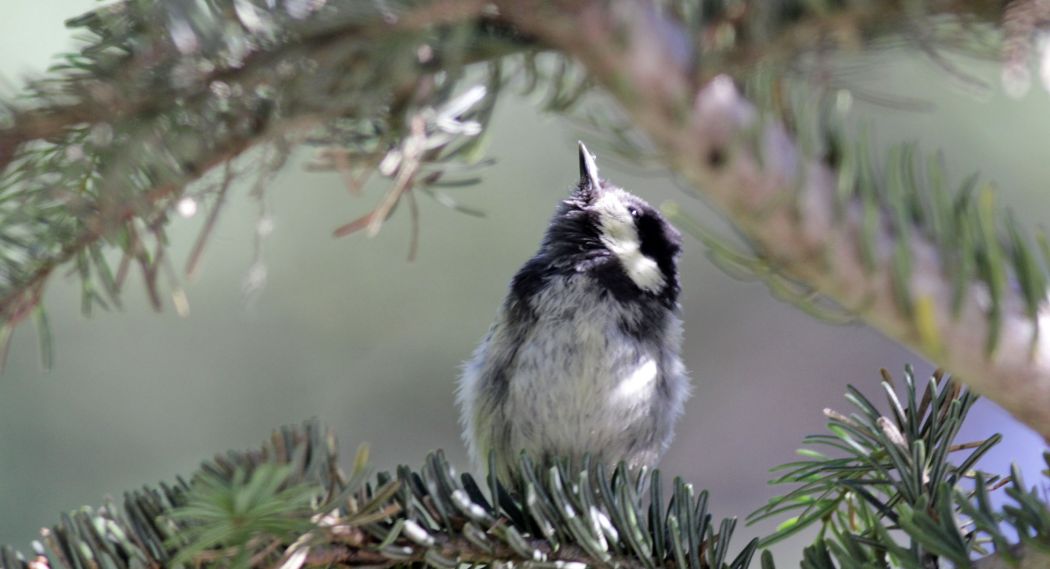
{"x":937,"y":277}
{"x":878,"y":478}
{"x":288,"y":505}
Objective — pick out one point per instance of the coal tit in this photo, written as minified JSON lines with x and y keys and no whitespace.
{"x":583,"y":358}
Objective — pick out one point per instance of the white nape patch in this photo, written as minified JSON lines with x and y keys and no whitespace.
{"x":621,"y":237}
{"x":638,"y":385}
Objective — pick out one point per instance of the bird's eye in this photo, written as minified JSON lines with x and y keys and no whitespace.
{"x":634,"y":211}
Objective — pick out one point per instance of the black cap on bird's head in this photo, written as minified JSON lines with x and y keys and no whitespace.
{"x":613,"y":235}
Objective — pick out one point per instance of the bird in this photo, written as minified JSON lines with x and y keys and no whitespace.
{"x":583,"y":360}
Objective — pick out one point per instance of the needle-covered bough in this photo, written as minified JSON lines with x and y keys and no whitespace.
{"x":889,"y":488}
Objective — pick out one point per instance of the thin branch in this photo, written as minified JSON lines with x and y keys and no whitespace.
{"x":14,"y":304}
{"x":193,"y":262}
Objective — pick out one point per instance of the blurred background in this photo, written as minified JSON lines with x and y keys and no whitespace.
{"x":349,"y":331}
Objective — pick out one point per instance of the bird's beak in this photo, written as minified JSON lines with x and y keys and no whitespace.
{"x":588,"y":170}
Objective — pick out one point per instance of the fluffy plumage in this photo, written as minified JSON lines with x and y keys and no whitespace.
{"x":583,"y":357}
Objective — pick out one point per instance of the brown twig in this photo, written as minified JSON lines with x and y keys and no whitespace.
{"x":193,"y":261}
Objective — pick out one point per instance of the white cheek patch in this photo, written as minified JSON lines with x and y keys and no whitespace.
{"x":621,"y":237}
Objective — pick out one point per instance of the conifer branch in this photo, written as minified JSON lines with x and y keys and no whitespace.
{"x":877,"y":479}
{"x":289,"y":505}
{"x":893,"y":488}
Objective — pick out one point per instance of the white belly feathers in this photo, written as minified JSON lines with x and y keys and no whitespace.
{"x":581,"y":386}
